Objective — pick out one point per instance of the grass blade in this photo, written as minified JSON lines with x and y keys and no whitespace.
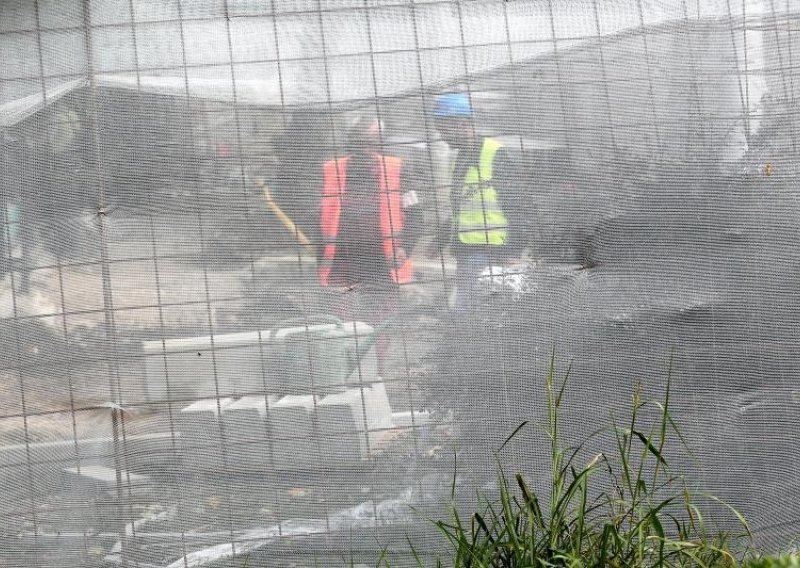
{"x":739,"y":516}
{"x":531,"y":501}
{"x":514,"y":433}
{"x":650,"y":447}
{"x":482,"y":524}
{"x":414,"y":553}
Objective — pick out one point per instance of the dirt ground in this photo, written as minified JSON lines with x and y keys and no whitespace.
{"x":63,"y":375}
{"x":63,"y":365}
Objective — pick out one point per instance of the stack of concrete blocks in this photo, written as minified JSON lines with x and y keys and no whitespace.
{"x":291,"y":433}
{"x":331,"y":413}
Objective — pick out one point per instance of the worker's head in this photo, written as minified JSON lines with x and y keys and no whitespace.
{"x":366,"y":134}
{"x":452,"y":115}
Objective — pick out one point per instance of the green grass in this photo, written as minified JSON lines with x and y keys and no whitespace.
{"x":626,"y":509}
{"x":785,"y":561}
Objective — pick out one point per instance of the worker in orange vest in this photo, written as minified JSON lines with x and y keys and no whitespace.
{"x":369,"y":222}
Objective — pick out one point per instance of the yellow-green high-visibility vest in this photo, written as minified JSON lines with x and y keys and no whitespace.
{"x":481,"y":221}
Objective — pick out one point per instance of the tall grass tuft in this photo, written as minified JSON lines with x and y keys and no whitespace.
{"x":627,"y":509}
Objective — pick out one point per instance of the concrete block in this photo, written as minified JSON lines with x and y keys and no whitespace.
{"x":201,"y":427}
{"x":291,"y":427}
{"x":342,"y":438}
{"x":95,"y":478}
{"x":366,"y":372}
{"x":379,"y":411}
{"x":289,"y":360}
{"x":248,"y":435}
{"x":347,"y":419}
{"x":315,"y":359}
{"x":198,"y":366}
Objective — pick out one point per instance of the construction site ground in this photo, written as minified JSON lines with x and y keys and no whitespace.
{"x":71,"y":377}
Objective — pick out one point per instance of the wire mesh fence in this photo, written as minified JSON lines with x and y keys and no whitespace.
{"x":215,"y":350}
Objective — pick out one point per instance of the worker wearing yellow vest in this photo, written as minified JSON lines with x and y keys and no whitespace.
{"x":369,"y":219}
{"x":482,"y":173}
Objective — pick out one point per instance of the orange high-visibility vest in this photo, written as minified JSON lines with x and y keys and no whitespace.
{"x":390,"y":211}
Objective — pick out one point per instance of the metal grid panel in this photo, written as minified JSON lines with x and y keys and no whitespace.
{"x":152,"y":414}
